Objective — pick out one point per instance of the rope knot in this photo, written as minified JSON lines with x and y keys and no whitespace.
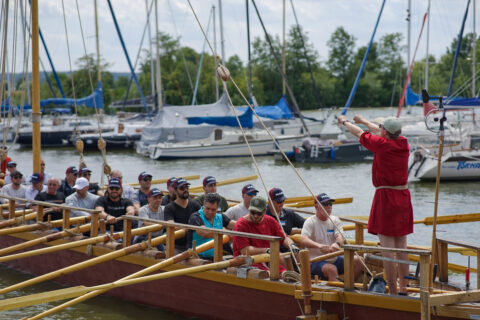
{"x":223,"y":73}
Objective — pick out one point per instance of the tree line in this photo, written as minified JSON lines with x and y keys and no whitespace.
{"x":380,"y":85}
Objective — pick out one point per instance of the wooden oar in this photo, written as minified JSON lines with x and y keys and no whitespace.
{"x":164,"y":180}
{"x":78,"y":243}
{"x":300,"y":202}
{"x":45,"y":239}
{"x":158,"y":266}
{"x":14,"y":221}
{"x":327,"y":256}
{"x":19,"y":302}
{"x":91,"y":262}
{"x":198,"y":189}
{"x":18,"y":213}
{"x":52,"y":224}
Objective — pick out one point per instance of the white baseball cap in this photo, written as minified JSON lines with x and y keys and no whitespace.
{"x":81,"y":183}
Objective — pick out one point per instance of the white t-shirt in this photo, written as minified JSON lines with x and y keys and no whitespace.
{"x":322,"y":232}
{"x":237,"y":211}
{"x":9,"y":191}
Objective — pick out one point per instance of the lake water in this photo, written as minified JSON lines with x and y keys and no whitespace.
{"x":338,"y":180}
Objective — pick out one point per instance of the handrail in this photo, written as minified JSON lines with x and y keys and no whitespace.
{"x":49,"y":204}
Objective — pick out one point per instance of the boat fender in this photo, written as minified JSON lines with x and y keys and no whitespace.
{"x":377,"y":284}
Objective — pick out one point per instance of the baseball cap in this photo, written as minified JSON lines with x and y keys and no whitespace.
{"x":114,"y":182}
{"x":154,"y":192}
{"x":209,"y":180}
{"x":36,"y":177}
{"x":180,"y":182}
{"x":249,"y":188}
{"x":143,"y":175}
{"x":81,"y":183}
{"x":171,"y":181}
{"x":392,"y":124}
{"x":17,"y":174}
{"x":71,"y":169}
{"x":323,"y":197}
{"x":11,"y":164}
{"x":85,"y":169}
{"x":258,"y":204}
{"x":277,"y":195}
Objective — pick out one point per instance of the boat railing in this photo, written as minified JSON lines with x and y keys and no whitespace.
{"x":218,"y":234}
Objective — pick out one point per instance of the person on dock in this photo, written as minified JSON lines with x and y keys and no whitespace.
{"x":259,"y":223}
{"x":93,"y":188}
{"x":170,"y":197}
{"x":391,"y":215}
{"x":36,"y":186}
{"x":66,"y":186}
{"x":151,"y":210}
{"x":112,"y":205}
{"x":210,"y":186}
{"x":4,"y":160}
{"x":181,"y":209}
{"x":14,"y":189}
{"x":207,"y":216}
{"x":291,"y":222}
{"x":321,"y":235}
{"x":145,"y":181}
{"x":241,"y":209}
{"x":81,"y":198}
{"x":52,"y":195}
{"x":11,"y":168}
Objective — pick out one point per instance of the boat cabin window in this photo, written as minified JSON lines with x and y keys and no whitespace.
{"x":218,"y":134}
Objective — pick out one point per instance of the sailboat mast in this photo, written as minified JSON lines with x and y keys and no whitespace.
{"x":428,"y":42}
{"x":36,"y":114}
{"x":409,"y":19}
{"x":250,"y":85}
{"x":284,"y":62}
{"x":158,"y":72}
{"x":152,"y":68}
{"x":222,"y":40}
{"x":474,"y":72}
{"x":99,"y":72}
{"x":215,"y":49}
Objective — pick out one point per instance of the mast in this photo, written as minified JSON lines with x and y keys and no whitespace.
{"x":152,"y":68}
{"x":99,"y":72}
{"x":474,"y":72}
{"x":222,"y":40}
{"x":250,"y":84}
{"x":36,"y":114}
{"x":215,"y":49}
{"x":159,"y":101}
{"x":428,"y":42}
{"x":409,"y":19}
{"x":284,"y":62}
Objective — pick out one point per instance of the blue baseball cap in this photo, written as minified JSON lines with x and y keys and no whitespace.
{"x":114,"y":182}
{"x":154,"y":192}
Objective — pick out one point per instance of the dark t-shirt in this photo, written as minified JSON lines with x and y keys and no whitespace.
{"x":181,"y":215}
{"x":288,"y":219}
{"x":114,"y":208}
{"x":93,"y":188}
{"x":142,"y":198}
{"x":52,"y":198}
{"x":65,"y":188}
{"x":167,"y":199}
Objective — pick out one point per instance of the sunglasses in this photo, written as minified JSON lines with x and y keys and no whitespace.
{"x":251,"y":194}
{"x":17,"y":177}
{"x":87,"y":174}
{"x":42,"y":164}
{"x":147,"y":179}
{"x":114,"y":188}
{"x":327,"y":204}
{"x":381,"y":126}
{"x":256,"y":213}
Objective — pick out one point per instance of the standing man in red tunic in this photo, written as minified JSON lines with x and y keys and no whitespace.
{"x":391,"y":215}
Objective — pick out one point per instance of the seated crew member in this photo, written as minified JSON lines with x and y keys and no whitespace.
{"x":35,"y":187}
{"x":52,"y":195}
{"x":11,"y":167}
{"x":152,"y":210}
{"x":320,"y":237}
{"x":257,"y":222}
{"x":14,"y":189}
{"x":81,"y":198}
{"x":171,"y":192}
{"x":66,"y":186}
{"x":112,"y":205}
{"x":128,"y":192}
{"x":181,"y":209}
{"x":207,"y":216}
{"x":241,"y":209}
{"x":292,"y":222}
{"x":210,"y":186}
{"x":93,"y":188}
{"x":141,"y":195}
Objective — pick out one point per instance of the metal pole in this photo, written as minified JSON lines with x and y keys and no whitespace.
{"x":428,"y":42}
{"x":474,"y":71}
{"x":284,"y":62}
{"x":215,"y":49}
{"x":152,"y":68}
{"x":36,"y":114}
{"x":159,"y":74}
{"x":409,"y":18}
{"x":99,"y":72}
{"x":222,"y":40}
{"x":250,"y":85}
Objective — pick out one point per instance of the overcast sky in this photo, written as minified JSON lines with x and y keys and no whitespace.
{"x":319,"y":18}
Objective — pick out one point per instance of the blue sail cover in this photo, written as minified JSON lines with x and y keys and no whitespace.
{"x":464,"y":102}
{"x":91,"y":101}
{"x":280,"y":110}
{"x":246,"y":120}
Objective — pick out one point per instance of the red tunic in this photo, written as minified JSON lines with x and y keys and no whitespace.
{"x":391,"y":213}
{"x":4,"y":164}
{"x":269,"y":226}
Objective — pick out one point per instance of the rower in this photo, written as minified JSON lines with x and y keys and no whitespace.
{"x":320,"y":236}
{"x":93,"y":188}
{"x":241,"y":209}
{"x":66,"y":185}
{"x":5,"y":159}
{"x":171,"y":192}
{"x":52,"y":195}
{"x":11,"y":167}
{"x":35,"y":187}
{"x":291,"y":222}
{"x":81,"y":198}
{"x":207,"y":216}
{"x":210,"y":186}
{"x":14,"y":189}
{"x":145,"y":181}
{"x":151,"y":210}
